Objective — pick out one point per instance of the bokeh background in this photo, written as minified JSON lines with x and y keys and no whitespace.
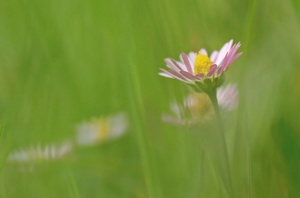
{"x":65,"y":61}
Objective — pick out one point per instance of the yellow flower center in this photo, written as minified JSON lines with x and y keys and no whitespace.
{"x":103,"y":129}
{"x":202,"y":64}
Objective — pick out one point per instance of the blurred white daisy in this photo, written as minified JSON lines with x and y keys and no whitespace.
{"x":228,"y":97}
{"x":197,"y":107}
{"x":41,"y":153}
{"x":101,"y":129}
{"x":200,"y":71}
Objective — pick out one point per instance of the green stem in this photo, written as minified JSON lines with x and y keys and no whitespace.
{"x":226,"y":165}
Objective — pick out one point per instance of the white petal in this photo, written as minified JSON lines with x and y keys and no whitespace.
{"x":181,"y":65}
{"x":165,"y":75}
{"x":214,"y":56}
{"x":192,"y":57}
{"x":203,"y":51}
{"x":224,"y":50}
{"x":171,"y":64}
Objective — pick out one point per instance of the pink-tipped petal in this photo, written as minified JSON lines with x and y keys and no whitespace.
{"x":174,"y":74}
{"x":172,"y":64}
{"x":176,"y":64}
{"x":212,"y":70}
{"x":188,"y":75}
{"x":235,"y":49}
{"x":234,"y":58}
{"x":224,"y":50}
{"x":181,"y":65}
{"x":200,"y":76}
{"x":179,"y":76}
{"x":185,"y":59}
{"x":220,"y":70}
{"x":229,"y":58}
{"x":230,"y":55}
{"x":203,"y":51}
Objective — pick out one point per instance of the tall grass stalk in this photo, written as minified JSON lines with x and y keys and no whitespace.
{"x":226,"y":171}
{"x":71,"y":185}
{"x":136,"y":105}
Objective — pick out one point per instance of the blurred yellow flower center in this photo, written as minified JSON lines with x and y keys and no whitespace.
{"x":202,"y":64}
{"x":199,"y":105}
{"x":103,"y":128}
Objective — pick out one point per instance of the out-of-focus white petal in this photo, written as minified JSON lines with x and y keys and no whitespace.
{"x":39,"y":153}
{"x":197,"y":108}
{"x":120,"y":125}
{"x":228,"y":97}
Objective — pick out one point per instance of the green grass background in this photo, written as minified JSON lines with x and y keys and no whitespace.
{"x":64,"y":61}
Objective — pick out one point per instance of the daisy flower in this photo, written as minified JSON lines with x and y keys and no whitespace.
{"x":197,"y":107}
{"x":101,"y":129}
{"x":41,"y":153}
{"x":201,"y":71}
